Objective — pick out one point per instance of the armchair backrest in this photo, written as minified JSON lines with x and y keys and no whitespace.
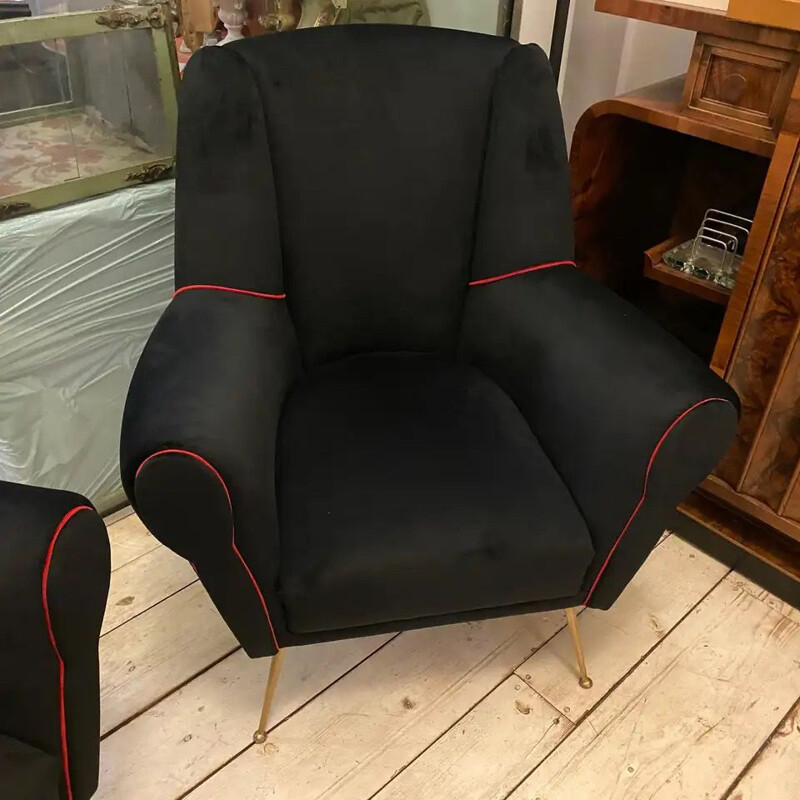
{"x":369,"y":173}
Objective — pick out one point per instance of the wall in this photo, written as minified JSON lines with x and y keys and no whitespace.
{"x":652,"y":53}
{"x":605,"y":55}
{"x":535,"y":22}
{"x":468,"y":15}
{"x":610,"y":55}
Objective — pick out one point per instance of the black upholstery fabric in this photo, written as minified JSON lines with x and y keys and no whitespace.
{"x":76,"y":586}
{"x":614,"y":382}
{"x":224,"y":168}
{"x":27,"y":773}
{"x":386,"y":179}
{"x":410,"y":486}
{"x":377,"y":146}
{"x":290,"y":639}
{"x":211,"y":381}
{"x":524,"y":215}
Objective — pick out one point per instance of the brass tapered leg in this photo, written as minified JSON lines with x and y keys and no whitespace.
{"x":585,"y":682}
{"x":260,"y":735}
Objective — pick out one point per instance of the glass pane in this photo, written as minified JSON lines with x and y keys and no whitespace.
{"x":33,"y":75}
{"x":77,"y":107}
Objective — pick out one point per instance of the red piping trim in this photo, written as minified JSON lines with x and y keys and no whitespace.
{"x":229,"y":289}
{"x":483,"y":281}
{"x":233,"y":526}
{"x":653,"y":455}
{"x":62,"y":710}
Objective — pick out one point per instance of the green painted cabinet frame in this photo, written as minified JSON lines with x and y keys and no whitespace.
{"x":154,"y":18}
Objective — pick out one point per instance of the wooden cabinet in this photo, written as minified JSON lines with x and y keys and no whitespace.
{"x":763,"y":363}
{"x":781,"y":13}
{"x":645,"y":167}
{"x":740,"y":85}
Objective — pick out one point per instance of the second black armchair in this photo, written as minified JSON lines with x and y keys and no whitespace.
{"x":385,"y":397}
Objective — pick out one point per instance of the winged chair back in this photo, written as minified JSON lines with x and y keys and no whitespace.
{"x":369,"y":173}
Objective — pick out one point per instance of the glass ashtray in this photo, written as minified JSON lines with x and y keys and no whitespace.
{"x":707,"y":262}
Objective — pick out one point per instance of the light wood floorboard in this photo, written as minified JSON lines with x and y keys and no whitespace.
{"x":129,"y":540}
{"x":696,"y":696}
{"x":686,"y":722}
{"x":352,"y":739}
{"x":177,"y":743}
{"x":143,"y":582}
{"x":672,"y":581}
{"x":775,"y":772}
{"x":155,"y":653}
{"x":488,"y":752}
{"x":639,"y":620}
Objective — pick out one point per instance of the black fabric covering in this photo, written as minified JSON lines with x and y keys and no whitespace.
{"x":27,"y":773}
{"x":77,"y":588}
{"x":524,"y":215}
{"x":377,"y":145}
{"x":448,"y":451}
{"x":410,"y":486}
{"x":614,"y":384}
{"x":211,"y":381}
{"x":290,"y":638}
{"x":224,"y":167}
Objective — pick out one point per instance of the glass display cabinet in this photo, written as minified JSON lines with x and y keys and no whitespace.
{"x":87,"y":104}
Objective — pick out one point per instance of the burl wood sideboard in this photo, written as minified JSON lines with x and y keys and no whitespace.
{"x":645,"y":167}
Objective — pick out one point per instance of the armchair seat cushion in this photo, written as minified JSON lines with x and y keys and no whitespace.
{"x":410,"y":486}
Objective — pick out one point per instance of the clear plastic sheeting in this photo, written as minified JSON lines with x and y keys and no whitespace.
{"x":81,"y":287}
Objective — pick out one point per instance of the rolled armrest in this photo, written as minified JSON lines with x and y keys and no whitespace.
{"x":628,"y":416}
{"x":54,"y":575}
{"x":198,"y":447}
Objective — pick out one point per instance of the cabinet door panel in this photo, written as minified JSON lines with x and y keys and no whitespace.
{"x":776,"y":450}
{"x":765,"y":348}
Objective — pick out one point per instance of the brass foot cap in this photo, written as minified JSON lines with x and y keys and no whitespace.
{"x":259,"y":737}
{"x":585,"y":683}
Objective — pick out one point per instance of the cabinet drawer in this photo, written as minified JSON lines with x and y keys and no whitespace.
{"x":740,"y":85}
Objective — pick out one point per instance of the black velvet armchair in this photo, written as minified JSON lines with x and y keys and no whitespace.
{"x":54,"y":575}
{"x":384,"y":397}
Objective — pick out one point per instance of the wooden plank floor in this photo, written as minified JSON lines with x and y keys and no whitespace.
{"x":696,"y":695}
